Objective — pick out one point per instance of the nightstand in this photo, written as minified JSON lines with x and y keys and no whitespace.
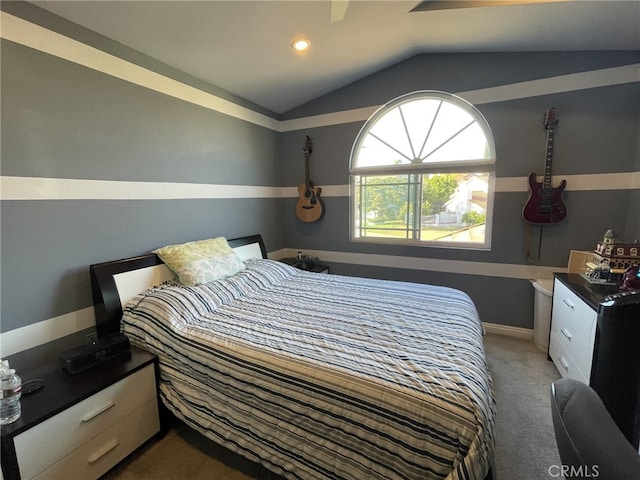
{"x":79,"y":426}
{"x":317,"y":268}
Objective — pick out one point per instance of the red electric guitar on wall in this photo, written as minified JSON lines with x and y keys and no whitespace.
{"x":545,"y":204}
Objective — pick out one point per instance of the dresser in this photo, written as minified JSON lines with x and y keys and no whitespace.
{"x":79,"y":426}
{"x":597,"y":341}
{"x":573,"y":324}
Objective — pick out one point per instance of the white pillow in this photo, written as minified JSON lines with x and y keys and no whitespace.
{"x":202,"y":261}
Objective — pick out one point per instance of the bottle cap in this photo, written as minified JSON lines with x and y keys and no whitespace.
{"x":5,"y":370}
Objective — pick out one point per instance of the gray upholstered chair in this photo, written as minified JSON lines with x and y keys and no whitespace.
{"x":589,"y":442}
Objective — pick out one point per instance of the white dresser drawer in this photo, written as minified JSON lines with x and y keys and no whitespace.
{"x":45,"y":444}
{"x":563,"y":360}
{"x":572,"y":336}
{"x":573,"y":342}
{"x":99,"y":454}
{"x":573,"y":312}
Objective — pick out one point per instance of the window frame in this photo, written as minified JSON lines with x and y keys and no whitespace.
{"x":479,"y":165}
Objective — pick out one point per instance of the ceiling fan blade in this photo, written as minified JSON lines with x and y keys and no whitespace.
{"x":429,"y":5}
{"x":338,"y":9}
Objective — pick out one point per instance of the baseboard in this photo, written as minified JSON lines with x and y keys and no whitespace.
{"x":508,"y":330}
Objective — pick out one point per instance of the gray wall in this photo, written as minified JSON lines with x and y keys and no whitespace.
{"x":61,"y":120}
{"x":598,"y":134}
{"x":633,"y":219}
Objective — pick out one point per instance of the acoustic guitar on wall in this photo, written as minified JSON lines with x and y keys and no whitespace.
{"x":309,"y":207}
{"x":545,"y":204}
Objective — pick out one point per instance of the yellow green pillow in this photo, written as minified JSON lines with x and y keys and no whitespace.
{"x":202,"y":261}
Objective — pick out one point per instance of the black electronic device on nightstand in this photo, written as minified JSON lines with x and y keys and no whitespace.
{"x":102,"y":349}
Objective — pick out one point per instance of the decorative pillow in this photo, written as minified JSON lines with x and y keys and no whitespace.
{"x":202,"y":261}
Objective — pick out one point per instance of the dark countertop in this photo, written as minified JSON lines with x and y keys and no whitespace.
{"x":592,"y":294}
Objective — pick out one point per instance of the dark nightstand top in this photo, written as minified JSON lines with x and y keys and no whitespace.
{"x":61,"y":389}
{"x":317,"y":267}
{"x":591,"y":293}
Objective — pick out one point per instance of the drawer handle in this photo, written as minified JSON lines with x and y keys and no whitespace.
{"x":100,"y":411}
{"x":566,"y":333}
{"x":568,"y":303}
{"x":101,"y":453}
{"x":564,"y":363}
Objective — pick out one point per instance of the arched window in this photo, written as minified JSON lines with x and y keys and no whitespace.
{"x":422,"y":173}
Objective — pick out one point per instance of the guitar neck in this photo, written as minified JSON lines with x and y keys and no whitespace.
{"x":307,"y":181}
{"x":546,"y":184}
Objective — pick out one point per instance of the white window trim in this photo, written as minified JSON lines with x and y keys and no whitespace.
{"x":482,"y":165}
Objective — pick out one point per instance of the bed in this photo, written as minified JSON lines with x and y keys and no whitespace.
{"x":314,"y":376}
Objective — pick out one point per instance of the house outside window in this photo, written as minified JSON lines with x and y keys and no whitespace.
{"x":422,"y":173}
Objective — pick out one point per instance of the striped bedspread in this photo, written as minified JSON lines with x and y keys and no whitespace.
{"x":324,"y":376}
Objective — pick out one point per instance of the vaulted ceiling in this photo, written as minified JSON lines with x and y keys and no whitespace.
{"x":244,"y":47}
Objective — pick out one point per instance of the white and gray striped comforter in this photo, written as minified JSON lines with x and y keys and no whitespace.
{"x":325,"y":376}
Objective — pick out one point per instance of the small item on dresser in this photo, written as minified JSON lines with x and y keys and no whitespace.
{"x":10,"y":393}
{"x":631,"y":279}
{"x":86,"y":356}
{"x":31,"y":386}
{"x":608,"y":263}
{"x":598,"y":273}
{"x":615,"y":253}
{"x":303,"y":262}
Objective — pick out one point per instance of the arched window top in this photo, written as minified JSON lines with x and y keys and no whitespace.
{"x":422,"y":173}
{"x":423,"y":129}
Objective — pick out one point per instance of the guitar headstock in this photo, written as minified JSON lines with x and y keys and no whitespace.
{"x":307,"y":145}
{"x":551,"y":120}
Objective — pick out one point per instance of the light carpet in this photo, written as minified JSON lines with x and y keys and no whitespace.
{"x":522,"y":377}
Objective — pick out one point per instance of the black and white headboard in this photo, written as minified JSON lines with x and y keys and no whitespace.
{"x":115,"y":283}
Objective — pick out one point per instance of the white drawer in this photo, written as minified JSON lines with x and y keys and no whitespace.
{"x":563,"y":361}
{"x":53,"y":439}
{"x":569,"y":309}
{"x":573,"y":327}
{"x":577,"y":347}
{"x":101,"y":453}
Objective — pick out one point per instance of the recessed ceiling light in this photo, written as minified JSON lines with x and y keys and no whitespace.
{"x":301,"y":44}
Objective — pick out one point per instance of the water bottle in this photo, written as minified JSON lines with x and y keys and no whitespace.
{"x":10,"y":392}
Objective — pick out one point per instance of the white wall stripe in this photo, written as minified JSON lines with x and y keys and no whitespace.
{"x":46,"y":331}
{"x":532,"y":88}
{"x":558,"y":84}
{"x":26,"y":33}
{"x":39,"y":188}
{"x":40,"y":38}
{"x":485,"y":269}
{"x":333,"y":118}
{"x":581,"y":182}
